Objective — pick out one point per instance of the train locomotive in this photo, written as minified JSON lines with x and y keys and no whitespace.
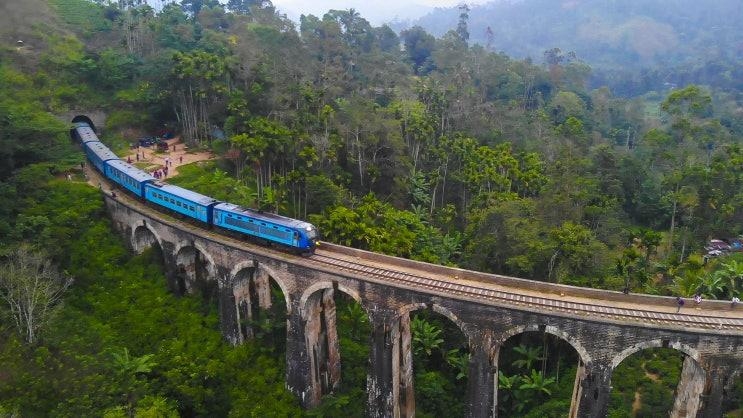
{"x":299,"y":236}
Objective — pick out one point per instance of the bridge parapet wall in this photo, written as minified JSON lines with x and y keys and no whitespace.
{"x":545,"y":288}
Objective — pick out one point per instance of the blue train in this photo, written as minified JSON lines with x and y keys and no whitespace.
{"x":300,"y":236}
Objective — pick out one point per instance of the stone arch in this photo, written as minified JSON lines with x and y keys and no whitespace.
{"x":184,"y":256}
{"x":144,"y":236}
{"x":307,"y":294}
{"x":585,"y":358}
{"x":404,"y":381}
{"x":318,"y":310}
{"x":693,"y":379}
{"x":279,"y":281}
{"x":251,"y":284}
{"x":658,"y":343}
{"x":243,"y":265}
{"x":211,"y":265}
{"x":311,"y":290}
{"x":408,"y":309}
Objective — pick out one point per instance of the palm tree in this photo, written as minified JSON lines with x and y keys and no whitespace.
{"x":530,"y":355}
{"x":686,"y":284}
{"x":458,"y":361}
{"x":128,"y":369}
{"x":538,"y":383}
{"x":357,"y":319}
{"x":132,"y":366}
{"x":712,"y":285}
{"x":425,"y":336}
{"x":508,"y":388}
{"x":732,"y":273}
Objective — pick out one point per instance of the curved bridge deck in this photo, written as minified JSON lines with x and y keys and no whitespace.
{"x":584,"y":303}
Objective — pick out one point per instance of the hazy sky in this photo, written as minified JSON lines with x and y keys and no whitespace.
{"x":375,"y":11}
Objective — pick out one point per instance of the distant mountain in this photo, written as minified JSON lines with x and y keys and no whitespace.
{"x":605,"y":33}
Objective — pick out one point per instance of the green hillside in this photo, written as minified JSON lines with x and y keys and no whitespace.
{"x":675,"y":42}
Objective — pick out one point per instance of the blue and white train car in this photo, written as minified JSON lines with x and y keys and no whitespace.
{"x":287,"y":231}
{"x":183,"y":201}
{"x":98,"y":154}
{"x":128,"y":176}
{"x":84,"y":133}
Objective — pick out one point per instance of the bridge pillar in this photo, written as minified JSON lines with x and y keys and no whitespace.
{"x":592,"y":390}
{"x":402,"y":368}
{"x":263,"y":288}
{"x":482,"y":377}
{"x":171,"y":268}
{"x":313,"y":351}
{"x":228,"y":314}
{"x":297,"y":360}
{"x":251,"y":293}
{"x":720,"y":378}
{"x":689,"y":391}
{"x":380,"y":401}
{"x":390,"y":380}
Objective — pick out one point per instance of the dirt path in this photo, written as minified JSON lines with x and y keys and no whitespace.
{"x":178,"y":154}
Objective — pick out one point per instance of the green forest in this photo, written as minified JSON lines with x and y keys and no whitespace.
{"x":633,"y":46}
{"x":424,"y":147}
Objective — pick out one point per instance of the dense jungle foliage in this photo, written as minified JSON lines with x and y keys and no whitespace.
{"x":436,"y":151}
{"x":633,"y":46}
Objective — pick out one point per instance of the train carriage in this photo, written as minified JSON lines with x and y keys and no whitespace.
{"x":183,"y":201}
{"x":99,"y":154}
{"x":84,"y":133}
{"x":128,"y":176}
{"x":301,"y":236}
{"x":271,"y":227}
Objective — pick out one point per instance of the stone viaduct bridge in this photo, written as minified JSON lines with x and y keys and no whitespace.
{"x":603,"y":327}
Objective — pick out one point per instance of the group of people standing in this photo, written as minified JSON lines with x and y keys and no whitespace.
{"x":160,"y":172}
{"x":698,"y":300}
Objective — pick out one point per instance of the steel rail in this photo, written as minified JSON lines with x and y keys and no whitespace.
{"x":473,"y":291}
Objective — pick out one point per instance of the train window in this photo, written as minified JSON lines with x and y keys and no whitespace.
{"x":178,"y":203}
{"x":172,"y":200}
{"x":191,"y":208}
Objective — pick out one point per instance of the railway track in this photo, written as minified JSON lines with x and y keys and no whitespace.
{"x":486,"y":294}
{"x":493,"y":295}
